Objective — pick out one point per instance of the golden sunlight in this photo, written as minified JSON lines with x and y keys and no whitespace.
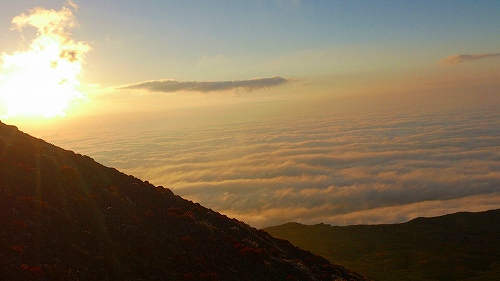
{"x":42,"y":81}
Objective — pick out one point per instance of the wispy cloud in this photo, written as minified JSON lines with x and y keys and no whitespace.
{"x":457,"y":59}
{"x":169,"y":86}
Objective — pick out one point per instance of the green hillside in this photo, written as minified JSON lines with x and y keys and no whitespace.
{"x":461,"y":246}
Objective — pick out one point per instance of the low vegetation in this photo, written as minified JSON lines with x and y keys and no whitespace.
{"x":462,"y":246}
{"x":67,"y":217}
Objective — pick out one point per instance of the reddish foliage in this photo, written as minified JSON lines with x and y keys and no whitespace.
{"x":26,"y":168}
{"x":43,"y":204}
{"x":149,"y":215}
{"x":18,"y":248}
{"x":189,"y":214}
{"x":188,"y":241}
{"x":134,"y":218}
{"x":80,"y":200}
{"x":68,"y":172}
{"x":252,"y":253}
{"x":19,"y":224}
{"x":97,"y":225}
{"x":30,"y":199}
{"x":175,"y":211}
{"x":208,"y":276}
{"x":145,"y":250}
{"x":36,"y":270}
{"x":26,"y":198}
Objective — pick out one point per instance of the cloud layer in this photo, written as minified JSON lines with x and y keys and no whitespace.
{"x":169,"y":86}
{"x":457,"y":59}
{"x":379,"y":167}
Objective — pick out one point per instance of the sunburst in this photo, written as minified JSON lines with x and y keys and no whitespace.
{"x":43,"y":80}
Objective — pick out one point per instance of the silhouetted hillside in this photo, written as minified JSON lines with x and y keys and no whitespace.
{"x":462,"y":246}
{"x":66,"y":217}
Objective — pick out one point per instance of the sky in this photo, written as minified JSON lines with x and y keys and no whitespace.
{"x":352,"y":99}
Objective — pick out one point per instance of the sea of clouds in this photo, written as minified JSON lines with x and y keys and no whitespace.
{"x":359,"y":167}
{"x":339,"y":161}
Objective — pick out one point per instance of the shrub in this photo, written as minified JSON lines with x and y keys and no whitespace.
{"x":19,"y":224}
{"x":68,"y":173}
{"x":17,"y":248}
{"x":149,"y":214}
{"x":35,"y":270}
{"x":173,"y":211}
{"x":188,"y":241}
{"x":255,"y":254}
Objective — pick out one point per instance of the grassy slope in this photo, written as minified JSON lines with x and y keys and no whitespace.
{"x":462,"y":246}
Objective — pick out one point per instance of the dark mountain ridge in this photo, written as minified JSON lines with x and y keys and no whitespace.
{"x":67,"y":217}
{"x":460,"y":246}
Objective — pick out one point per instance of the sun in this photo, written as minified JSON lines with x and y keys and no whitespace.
{"x":42,"y":81}
{"x":38,"y":84}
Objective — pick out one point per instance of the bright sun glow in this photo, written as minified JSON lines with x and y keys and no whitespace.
{"x":42,"y":80}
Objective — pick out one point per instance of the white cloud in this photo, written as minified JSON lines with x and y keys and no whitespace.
{"x":379,"y":167}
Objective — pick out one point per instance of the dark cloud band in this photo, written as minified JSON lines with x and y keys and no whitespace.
{"x":169,"y":86}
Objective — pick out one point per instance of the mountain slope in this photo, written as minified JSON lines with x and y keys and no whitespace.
{"x":462,"y":246}
{"x":67,"y":217}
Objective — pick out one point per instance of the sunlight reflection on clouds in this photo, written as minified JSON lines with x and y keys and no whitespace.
{"x":365,"y":168}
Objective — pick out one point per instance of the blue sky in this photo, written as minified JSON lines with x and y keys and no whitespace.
{"x":225,"y":40}
{"x":238,"y":40}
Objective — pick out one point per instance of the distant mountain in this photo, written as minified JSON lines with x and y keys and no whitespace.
{"x":461,"y":246}
{"x":66,"y":217}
